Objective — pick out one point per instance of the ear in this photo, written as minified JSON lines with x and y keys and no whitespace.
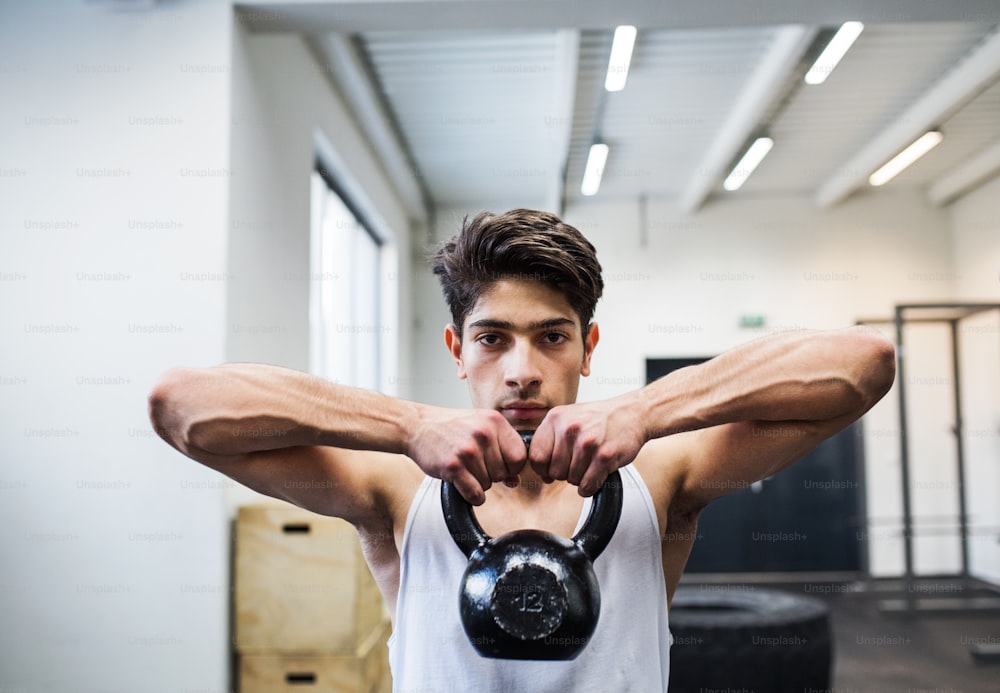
{"x":453,"y":340}
{"x":589,"y":344}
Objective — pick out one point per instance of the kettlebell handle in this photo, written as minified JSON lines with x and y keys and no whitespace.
{"x":593,"y":537}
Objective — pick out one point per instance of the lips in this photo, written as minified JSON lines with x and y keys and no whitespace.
{"x":524,"y":410}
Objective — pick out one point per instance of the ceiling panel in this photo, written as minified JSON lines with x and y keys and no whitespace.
{"x":471,"y":108}
{"x":681,"y":87}
{"x":971,"y":130}
{"x":886,"y":70}
{"x":589,"y":102}
{"x":479,"y":111}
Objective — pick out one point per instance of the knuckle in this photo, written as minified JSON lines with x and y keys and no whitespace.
{"x":490,"y":422}
{"x":605,"y":458}
{"x":466,"y":453}
{"x":452,"y":469}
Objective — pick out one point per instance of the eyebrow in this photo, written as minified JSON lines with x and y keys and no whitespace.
{"x":531,"y":326}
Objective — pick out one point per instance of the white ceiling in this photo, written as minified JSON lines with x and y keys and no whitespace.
{"x":478,"y":100}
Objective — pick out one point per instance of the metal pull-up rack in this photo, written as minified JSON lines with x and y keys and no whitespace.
{"x":951,"y":314}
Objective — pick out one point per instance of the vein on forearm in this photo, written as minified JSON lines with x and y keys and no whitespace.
{"x":243,"y":408}
{"x":802,"y":377}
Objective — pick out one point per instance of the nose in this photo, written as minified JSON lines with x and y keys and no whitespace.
{"x":522,"y":366}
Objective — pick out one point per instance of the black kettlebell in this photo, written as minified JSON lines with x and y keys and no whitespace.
{"x":531,"y":594}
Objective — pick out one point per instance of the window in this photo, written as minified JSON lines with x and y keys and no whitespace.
{"x":345,"y":318}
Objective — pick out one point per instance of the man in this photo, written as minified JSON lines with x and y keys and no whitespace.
{"x":522,"y":288}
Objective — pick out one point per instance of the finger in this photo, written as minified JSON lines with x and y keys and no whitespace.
{"x":507,"y":465}
{"x":471,"y":462}
{"x":482,"y":476}
{"x":583,"y":453}
{"x":469,"y":487}
{"x":541,"y":450}
{"x":601,"y":466}
{"x":592,"y":482}
{"x":511,"y":449}
{"x":495,"y":461}
{"x":562,"y":455}
{"x":595,"y":475}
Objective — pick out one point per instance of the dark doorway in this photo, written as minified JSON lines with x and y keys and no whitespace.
{"x":804,"y":519}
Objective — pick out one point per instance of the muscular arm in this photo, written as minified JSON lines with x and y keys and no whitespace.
{"x":758,"y":408}
{"x":730,"y":421}
{"x":236,"y":409}
{"x":330,"y":448}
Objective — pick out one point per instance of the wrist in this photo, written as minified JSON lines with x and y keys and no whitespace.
{"x":638,"y":406}
{"x":671,"y":405}
{"x":411,"y":425}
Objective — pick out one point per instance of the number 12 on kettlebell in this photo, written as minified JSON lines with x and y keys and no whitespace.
{"x":531,"y":594}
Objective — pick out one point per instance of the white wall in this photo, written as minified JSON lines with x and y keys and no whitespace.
{"x":975,"y":223}
{"x":975,"y":228}
{"x":281,"y":103}
{"x":113,"y":179}
{"x":125,"y":172}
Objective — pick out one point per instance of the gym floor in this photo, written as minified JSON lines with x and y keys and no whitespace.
{"x":888,"y":653}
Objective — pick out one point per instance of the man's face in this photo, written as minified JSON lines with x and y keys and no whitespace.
{"x":522,"y":350}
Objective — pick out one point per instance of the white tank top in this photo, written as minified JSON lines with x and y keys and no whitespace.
{"x":629,"y":651}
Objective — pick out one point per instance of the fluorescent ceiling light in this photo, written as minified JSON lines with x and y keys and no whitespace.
{"x":895,"y":165}
{"x":755,"y":154}
{"x":594,"y":170}
{"x":621,"y":57}
{"x":834,"y":51}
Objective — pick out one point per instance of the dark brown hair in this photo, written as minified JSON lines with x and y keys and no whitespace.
{"x":520,"y":244}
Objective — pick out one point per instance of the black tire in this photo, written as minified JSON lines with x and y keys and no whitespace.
{"x":748,"y":640}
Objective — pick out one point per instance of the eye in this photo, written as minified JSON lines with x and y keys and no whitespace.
{"x":555,"y":337}
{"x":489,"y":339}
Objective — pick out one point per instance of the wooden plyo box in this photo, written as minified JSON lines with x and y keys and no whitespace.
{"x":364,"y":671}
{"x":301,"y":584}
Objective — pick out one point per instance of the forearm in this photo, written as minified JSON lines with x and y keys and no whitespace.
{"x":801,"y":376}
{"x":236,"y":409}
